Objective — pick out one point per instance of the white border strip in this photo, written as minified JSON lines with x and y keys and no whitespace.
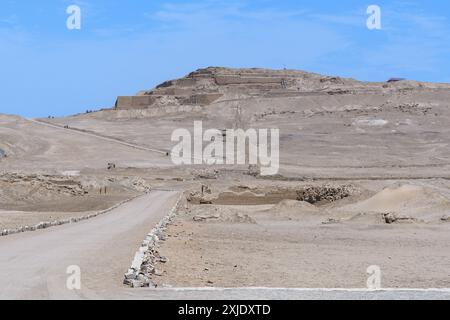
{"x":306,"y":289}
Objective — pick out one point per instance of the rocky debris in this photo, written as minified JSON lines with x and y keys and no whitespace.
{"x":327,"y":193}
{"x":354,"y":109}
{"x":334,"y":80}
{"x":52,"y":184}
{"x":205,"y":218}
{"x":43,"y":225}
{"x":339,"y":92}
{"x":271,"y":113}
{"x":414,"y":108}
{"x":206,"y":174}
{"x":199,"y":197}
{"x":332,"y":221}
{"x":143,"y":267}
{"x":254,"y":170}
{"x":204,"y":196}
{"x":140,"y":185}
{"x":213,"y":214}
{"x":221,"y":217}
{"x":111,"y":166}
{"x":391,"y":218}
{"x":206,"y":189}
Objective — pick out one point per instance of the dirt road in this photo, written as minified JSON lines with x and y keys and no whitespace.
{"x":34,"y":265}
{"x":98,"y":136}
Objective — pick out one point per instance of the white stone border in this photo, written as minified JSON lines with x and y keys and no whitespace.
{"x":135,"y":277}
{"x":46,"y":225}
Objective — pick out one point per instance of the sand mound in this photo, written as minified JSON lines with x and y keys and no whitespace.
{"x":293,"y":210}
{"x":408,"y":202}
{"x":404,"y":197}
{"x":221,"y":214}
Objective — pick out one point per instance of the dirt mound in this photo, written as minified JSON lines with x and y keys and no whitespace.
{"x":404,"y":203}
{"x":390,"y":218}
{"x":221,"y":214}
{"x":294,"y":209}
{"x":403,"y":197}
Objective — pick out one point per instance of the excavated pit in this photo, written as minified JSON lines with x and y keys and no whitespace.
{"x":317,"y":195}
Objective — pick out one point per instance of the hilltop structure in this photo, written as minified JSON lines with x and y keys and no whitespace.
{"x":216,"y":84}
{"x":206,"y":86}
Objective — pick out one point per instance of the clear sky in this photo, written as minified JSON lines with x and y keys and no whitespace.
{"x":125,"y":46}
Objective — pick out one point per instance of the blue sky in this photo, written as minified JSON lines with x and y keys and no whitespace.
{"x":126,"y":46}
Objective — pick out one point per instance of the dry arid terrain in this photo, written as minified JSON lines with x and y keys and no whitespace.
{"x":364,"y":178}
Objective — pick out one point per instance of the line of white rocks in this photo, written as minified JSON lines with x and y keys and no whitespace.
{"x":138,"y":275}
{"x":46,"y":225}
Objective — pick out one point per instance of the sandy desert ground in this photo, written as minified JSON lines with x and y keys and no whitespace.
{"x":364,"y":179}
